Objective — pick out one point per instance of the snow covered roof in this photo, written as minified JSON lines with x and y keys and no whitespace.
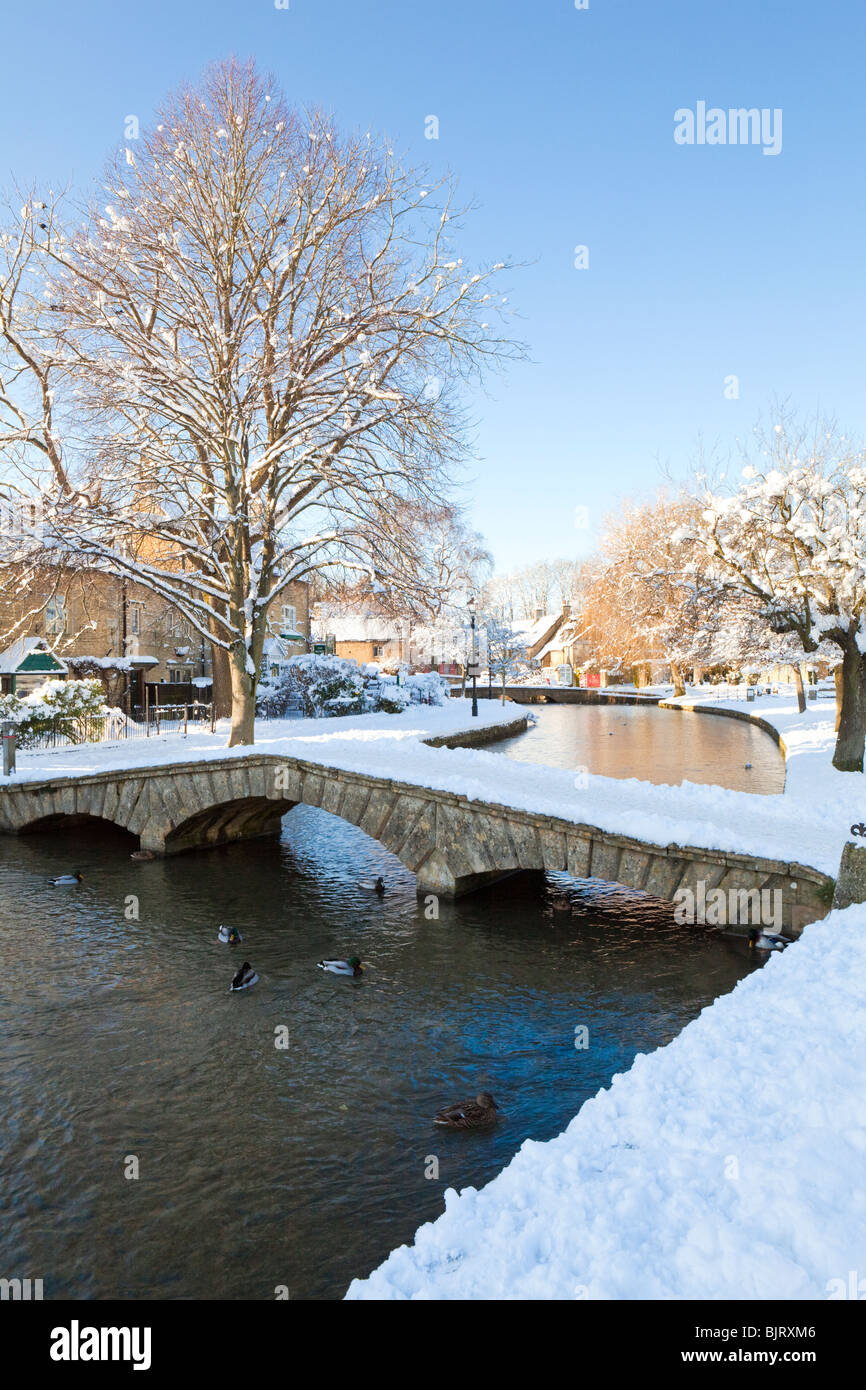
{"x":565,"y":636}
{"x":34,"y":651}
{"x":534,"y":631}
{"x":355,"y":627}
{"x":112,"y":663}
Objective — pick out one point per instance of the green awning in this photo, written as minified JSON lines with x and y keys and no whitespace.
{"x":293,"y":637}
{"x":39,"y":661}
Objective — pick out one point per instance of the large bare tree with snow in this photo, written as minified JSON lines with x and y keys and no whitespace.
{"x":259,"y":331}
{"x":792,"y":538}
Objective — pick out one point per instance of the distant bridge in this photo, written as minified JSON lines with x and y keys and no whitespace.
{"x":451,"y":843}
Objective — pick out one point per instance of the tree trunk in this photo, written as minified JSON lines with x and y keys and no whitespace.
{"x":677,"y":678}
{"x":504,"y":678}
{"x":837,"y":680}
{"x":243,"y":702}
{"x":851,"y":737}
{"x":222,"y":682}
{"x":801,"y":694}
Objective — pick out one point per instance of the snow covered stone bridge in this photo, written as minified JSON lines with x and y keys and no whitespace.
{"x":452,"y":842}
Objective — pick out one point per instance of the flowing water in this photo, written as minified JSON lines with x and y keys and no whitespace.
{"x":260,"y":1166}
{"x":655,"y":745}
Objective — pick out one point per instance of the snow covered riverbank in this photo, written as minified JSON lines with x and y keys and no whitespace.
{"x":808,"y":824}
{"x":728,"y":1164}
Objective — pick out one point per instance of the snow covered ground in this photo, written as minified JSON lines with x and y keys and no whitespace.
{"x":729,"y":1164}
{"x":809,"y":824}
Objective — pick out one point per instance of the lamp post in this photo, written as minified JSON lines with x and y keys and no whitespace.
{"x":474,"y":664}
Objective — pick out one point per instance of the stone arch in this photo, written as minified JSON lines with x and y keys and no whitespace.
{"x":243,"y":818}
{"x":62,"y":820}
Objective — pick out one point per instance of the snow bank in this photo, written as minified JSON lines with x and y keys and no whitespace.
{"x":728,"y":1164}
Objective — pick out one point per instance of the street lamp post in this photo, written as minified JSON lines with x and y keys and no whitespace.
{"x":471,"y":606}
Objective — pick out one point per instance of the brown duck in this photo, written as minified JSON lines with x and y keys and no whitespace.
{"x":469,"y":1114}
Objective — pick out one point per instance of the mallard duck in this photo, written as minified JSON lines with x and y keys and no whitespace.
{"x":245,"y":977}
{"x":66,"y":880}
{"x":352,"y":966}
{"x":767,"y":941}
{"x":469,"y":1114}
{"x":379,"y":886}
{"x":229,"y":936}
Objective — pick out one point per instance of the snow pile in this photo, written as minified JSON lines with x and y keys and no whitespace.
{"x":729,"y":1164}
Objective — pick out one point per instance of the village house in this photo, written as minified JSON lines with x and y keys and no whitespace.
{"x":537,"y":632}
{"x":566,"y":647}
{"x":365,"y":638}
{"x":97,"y":624}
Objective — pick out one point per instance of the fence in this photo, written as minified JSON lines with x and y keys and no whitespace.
{"x":729,"y":690}
{"x":66,"y":731}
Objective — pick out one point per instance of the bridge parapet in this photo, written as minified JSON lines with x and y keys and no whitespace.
{"x":451,"y":843}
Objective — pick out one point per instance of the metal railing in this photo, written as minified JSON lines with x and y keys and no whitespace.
{"x":67,"y":731}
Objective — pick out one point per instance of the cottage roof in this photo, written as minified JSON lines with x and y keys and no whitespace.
{"x":357,"y":627}
{"x":29,"y":654}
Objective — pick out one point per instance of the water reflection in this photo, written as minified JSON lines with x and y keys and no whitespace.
{"x":655,"y":745}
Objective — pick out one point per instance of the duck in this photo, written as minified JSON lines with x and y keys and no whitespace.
{"x":469,"y":1114}
{"x":144,"y":856}
{"x":377,"y":887}
{"x":245,"y":977}
{"x":352,"y":966}
{"x":768,"y":941}
{"x":229,"y":936}
{"x":66,"y":880}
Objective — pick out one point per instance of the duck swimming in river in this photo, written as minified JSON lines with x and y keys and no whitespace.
{"x":767,"y":940}
{"x":352,"y":966}
{"x":245,"y":977}
{"x":66,"y":880}
{"x":229,"y":936}
{"x":469,"y":1114}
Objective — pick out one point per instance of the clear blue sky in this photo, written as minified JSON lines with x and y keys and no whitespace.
{"x":704,"y":261}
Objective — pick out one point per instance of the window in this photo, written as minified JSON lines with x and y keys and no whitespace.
{"x":377,"y":651}
{"x":135,"y":619}
{"x":55,"y":617}
{"x":288,"y":617}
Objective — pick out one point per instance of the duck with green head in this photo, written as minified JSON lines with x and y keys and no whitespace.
{"x":352,"y":966}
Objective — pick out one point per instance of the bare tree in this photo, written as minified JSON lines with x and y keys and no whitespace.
{"x":249,"y":329}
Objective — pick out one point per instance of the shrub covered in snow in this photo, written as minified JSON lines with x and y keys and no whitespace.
{"x":324,"y":685}
{"x":321,"y":684}
{"x":70,"y":704}
{"x":393,"y":698}
{"x":427,"y":688}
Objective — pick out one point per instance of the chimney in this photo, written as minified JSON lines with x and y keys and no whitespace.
{"x":566,"y":609}
{"x":538,"y":614}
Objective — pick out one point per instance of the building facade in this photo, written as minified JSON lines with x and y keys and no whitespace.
{"x":101,"y":625}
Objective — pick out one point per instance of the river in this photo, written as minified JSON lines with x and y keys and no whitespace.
{"x":260,"y":1167}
